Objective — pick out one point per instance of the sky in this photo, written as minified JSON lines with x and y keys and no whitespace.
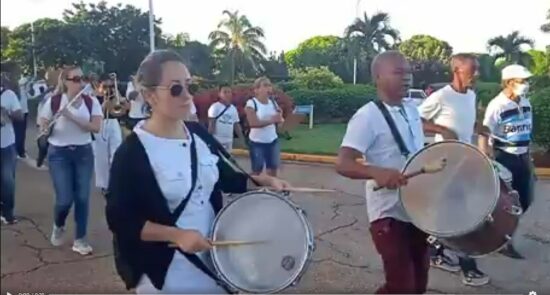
{"x":466,"y":24}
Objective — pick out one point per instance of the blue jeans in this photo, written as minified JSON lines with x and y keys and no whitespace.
{"x":265,"y":154}
{"x":9,"y":160}
{"x":71,"y":169}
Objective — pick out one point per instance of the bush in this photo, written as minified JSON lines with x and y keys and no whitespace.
{"x":540,"y":101}
{"x":316,"y":78}
{"x":334,"y":105}
{"x":486,"y":91}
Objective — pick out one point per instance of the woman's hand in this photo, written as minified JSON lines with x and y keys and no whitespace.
{"x":190,"y":241}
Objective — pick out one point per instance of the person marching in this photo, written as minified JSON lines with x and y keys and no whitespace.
{"x":109,"y":137}
{"x":385,"y":133}
{"x":263,"y":114}
{"x":509,"y":122}
{"x":223,"y":118}
{"x":450,"y":112}
{"x":10,"y":112}
{"x":137,"y":105}
{"x":70,"y":155}
{"x":173,"y":191}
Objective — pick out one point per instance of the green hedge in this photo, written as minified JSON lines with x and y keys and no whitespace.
{"x":334,"y":105}
{"x":540,"y":101}
{"x":486,"y":91}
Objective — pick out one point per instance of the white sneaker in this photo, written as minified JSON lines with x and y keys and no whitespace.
{"x":82,"y":247}
{"x":57,"y":237}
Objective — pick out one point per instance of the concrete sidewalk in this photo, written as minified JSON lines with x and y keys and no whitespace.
{"x":345,"y":260}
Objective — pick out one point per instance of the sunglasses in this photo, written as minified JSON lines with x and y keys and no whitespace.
{"x":178,"y":89}
{"x":76,"y":79}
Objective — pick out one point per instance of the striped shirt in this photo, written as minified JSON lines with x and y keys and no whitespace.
{"x":511,"y":123}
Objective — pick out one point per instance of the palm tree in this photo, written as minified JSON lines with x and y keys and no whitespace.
{"x":510,"y":48}
{"x":374,"y":34}
{"x":239,"y":40}
{"x":546,"y":27}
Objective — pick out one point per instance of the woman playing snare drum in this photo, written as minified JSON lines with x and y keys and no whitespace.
{"x":171,"y":162}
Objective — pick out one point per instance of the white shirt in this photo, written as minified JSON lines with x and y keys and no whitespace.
{"x":454,"y":110}
{"x":368,"y":133}
{"x":224,"y":125}
{"x":24,"y":95}
{"x":510,"y":121}
{"x":8,"y":101}
{"x":266,"y":134}
{"x":171,"y":163}
{"x":137,"y":108}
{"x":65,"y":131}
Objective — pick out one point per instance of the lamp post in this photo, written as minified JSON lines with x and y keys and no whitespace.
{"x":355,"y":57}
{"x":151,"y":27}
{"x":33,"y":53}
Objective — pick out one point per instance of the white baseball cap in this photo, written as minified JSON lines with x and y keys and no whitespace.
{"x":515,"y":72}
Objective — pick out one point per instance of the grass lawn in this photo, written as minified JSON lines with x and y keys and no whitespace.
{"x":323,"y":139}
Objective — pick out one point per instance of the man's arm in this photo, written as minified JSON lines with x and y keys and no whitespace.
{"x":211,"y":125}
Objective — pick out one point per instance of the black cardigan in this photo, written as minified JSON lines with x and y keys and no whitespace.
{"x":134,"y":197}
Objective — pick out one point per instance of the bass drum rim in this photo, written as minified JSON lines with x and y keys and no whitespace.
{"x":309,"y":237}
{"x":482,"y":219}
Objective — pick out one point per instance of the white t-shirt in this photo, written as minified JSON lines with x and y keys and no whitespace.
{"x":368,"y":133}
{"x":451,"y":109}
{"x":137,"y":108}
{"x":266,"y":134}
{"x":65,"y":131}
{"x":224,"y":125}
{"x":24,"y":96}
{"x":8,"y":101}
{"x":171,"y":163}
{"x":510,"y":121}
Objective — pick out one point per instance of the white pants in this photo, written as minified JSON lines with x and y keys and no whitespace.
{"x":105,"y":144}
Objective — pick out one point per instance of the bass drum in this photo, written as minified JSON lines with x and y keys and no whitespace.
{"x":466,"y":206}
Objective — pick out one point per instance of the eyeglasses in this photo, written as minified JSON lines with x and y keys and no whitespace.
{"x":75,"y":79}
{"x":178,"y":89}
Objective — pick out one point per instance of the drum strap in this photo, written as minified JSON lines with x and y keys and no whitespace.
{"x":193,"y":258}
{"x":395,"y":132}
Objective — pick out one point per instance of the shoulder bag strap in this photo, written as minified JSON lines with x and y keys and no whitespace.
{"x":223,"y":112}
{"x":395,"y":132}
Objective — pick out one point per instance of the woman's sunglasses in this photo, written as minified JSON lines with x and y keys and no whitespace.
{"x":75,"y":79}
{"x":178,"y":89}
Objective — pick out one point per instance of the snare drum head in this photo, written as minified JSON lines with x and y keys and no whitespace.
{"x":267,"y":267}
{"x":455,"y":200}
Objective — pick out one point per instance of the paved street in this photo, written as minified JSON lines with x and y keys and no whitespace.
{"x":345,"y":260}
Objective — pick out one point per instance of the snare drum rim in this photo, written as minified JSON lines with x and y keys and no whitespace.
{"x":481,"y":221}
{"x":309,"y":237}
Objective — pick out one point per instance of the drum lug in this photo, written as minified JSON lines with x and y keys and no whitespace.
{"x":490,"y":219}
{"x":508,"y":237}
{"x":431,"y":240}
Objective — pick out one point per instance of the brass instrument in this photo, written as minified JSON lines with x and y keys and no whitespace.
{"x":117,"y":110}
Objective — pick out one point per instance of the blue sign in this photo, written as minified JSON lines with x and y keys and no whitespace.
{"x":303,"y":109}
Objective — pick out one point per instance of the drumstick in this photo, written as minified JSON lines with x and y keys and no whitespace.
{"x":302,"y":189}
{"x":429,"y":168}
{"x":227,"y":243}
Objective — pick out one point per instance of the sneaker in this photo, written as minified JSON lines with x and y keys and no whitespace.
{"x":58,"y":234}
{"x":7,"y":221}
{"x":82,"y":247}
{"x":475,"y":278}
{"x":510,"y":251}
{"x":444,"y":262}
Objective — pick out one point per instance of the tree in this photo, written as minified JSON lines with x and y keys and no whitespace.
{"x":198,"y":58}
{"x":275,"y":67}
{"x":510,"y":48}
{"x":374,"y":34}
{"x":546,"y":27}
{"x":4,"y":40}
{"x":177,"y":41}
{"x":488,"y":71}
{"x":239,"y":43}
{"x":540,"y":62}
{"x":313,"y":52}
{"x":320,"y":78}
{"x":424,"y":48}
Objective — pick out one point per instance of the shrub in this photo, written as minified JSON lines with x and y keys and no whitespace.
{"x":334,"y":105}
{"x":316,"y":78}
{"x":486,"y":91}
{"x":540,"y":101}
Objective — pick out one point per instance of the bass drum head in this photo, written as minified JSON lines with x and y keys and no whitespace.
{"x":456,"y":200}
{"x":267,"y":267}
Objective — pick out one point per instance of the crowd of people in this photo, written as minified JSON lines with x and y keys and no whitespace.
{"x":164,"y":181}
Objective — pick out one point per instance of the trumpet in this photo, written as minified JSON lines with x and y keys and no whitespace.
{"x":117,"y":110}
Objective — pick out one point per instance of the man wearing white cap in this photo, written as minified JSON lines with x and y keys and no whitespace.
{"x":510,"y":121}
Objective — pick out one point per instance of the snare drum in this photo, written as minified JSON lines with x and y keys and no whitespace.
{"x":267,"y":267}
{"x":466,"y":206}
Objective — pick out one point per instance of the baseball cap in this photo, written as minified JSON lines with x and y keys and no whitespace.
{"x":515,"y":72}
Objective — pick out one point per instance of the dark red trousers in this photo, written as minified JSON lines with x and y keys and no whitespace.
{"x":405,"y":256}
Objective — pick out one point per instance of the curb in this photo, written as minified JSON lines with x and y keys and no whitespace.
{"x":543,"y":173}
